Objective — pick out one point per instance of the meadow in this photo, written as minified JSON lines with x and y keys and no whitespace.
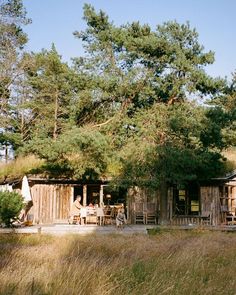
{"x":170,"y":262}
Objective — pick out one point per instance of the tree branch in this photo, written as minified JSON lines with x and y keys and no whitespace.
{"x":102,"y":124}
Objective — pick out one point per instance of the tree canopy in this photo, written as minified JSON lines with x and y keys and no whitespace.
{"x":137,"y":107}
{"x":12,"y":41}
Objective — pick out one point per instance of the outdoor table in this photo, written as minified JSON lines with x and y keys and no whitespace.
{"x":92,"y":215}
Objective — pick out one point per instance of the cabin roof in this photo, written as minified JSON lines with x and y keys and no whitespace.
{"x":45,"y":180}
{"x":228,"y":177}
{"x":10,"y":181}
{"x":231,"y":176}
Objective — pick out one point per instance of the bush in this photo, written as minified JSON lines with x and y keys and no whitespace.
{"x":11,"y":204}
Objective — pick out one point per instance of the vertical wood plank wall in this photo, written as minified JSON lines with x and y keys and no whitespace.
{"x":141,"y":195}
{"x":51,"y":202}
{"x":210,"y":201}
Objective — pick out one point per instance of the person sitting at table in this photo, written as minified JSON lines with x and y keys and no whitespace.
{"x":120,"y":218}
{"x":91,"y":205}
{"x":75,"y":210}
{"x":96,"y":204}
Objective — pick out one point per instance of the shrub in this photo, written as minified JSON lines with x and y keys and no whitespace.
{"x":11,"y":204}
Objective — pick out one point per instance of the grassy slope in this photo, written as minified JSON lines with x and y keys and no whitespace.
{"x":19,"y":167}
{"x":168,"y":263}
{"x":32,"y":165}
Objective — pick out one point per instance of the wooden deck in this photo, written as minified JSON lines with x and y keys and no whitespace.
{"x":63,"y":229}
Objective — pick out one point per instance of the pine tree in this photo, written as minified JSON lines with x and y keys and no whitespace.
{"x":12,"y":41}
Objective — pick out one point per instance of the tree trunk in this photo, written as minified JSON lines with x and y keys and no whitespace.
{"x":22,"y":114}
{"x":164,"y":204}
{"x":55,"y":130}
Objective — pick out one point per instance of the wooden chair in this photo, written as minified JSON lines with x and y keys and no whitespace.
{"x":91,"y":216}
{"x":76,"y":219}
{"x":206,"y":218}
{"x":230,"y":219}
{"x":139,"y":214}
{"x":100,"y":215}
{"x":151,"y":215}
{"x":107,"y":216}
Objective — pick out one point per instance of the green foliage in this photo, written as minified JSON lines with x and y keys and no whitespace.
{"x":180,"y":165}
{"x":11,"y":204}
{"x":142,"y":81}
{"x":216,"y":120}
{"x":134,"y":67}
{"x":224,"y":113}
{"x":131,"y":108}
{"x":12,"y":15}
{"x":79,"y":152}
{"x":12,"y":41}
{"x":50,"y":86}
{"x":167,"y":146}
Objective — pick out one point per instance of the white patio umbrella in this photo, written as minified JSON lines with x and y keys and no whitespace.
{"x":25,"y":190}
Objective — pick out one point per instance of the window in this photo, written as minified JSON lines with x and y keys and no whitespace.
{"x":194,"y":206}
{"x":180,"y":202}
{"x":186,"y":200}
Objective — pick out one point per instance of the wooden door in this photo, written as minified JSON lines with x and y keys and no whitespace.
{"x":51,"y":203}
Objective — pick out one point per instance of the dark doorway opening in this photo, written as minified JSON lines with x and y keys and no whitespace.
{"x":93,"y":192}
{"x":186,"y":200}
{"x":114,"y":196}
{"x":78,"y":191}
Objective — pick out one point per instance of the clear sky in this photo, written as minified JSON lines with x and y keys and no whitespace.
{"x":215,"y":21}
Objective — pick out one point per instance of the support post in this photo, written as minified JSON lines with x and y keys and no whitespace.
{"x":101,"y":195}
{"x":84,"y":195}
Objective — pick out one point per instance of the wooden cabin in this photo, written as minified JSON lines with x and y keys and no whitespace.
{"x":212,"y":203}
{"x":53,"y":198}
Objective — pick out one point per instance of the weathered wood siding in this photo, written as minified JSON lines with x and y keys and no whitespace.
{"x":210,"y":202}
{"x":137,"y":195}
{"x":51,"y":202}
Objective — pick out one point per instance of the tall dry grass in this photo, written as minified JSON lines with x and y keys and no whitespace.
{"x":169,"y":263}
{"x":20,"y":166}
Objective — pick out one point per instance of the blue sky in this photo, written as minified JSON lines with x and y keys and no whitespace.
{"x":56,"y":20}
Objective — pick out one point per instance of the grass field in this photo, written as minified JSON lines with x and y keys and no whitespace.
{"x":177,"y":262}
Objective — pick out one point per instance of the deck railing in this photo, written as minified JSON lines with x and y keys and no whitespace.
{"x":191,"y":220}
